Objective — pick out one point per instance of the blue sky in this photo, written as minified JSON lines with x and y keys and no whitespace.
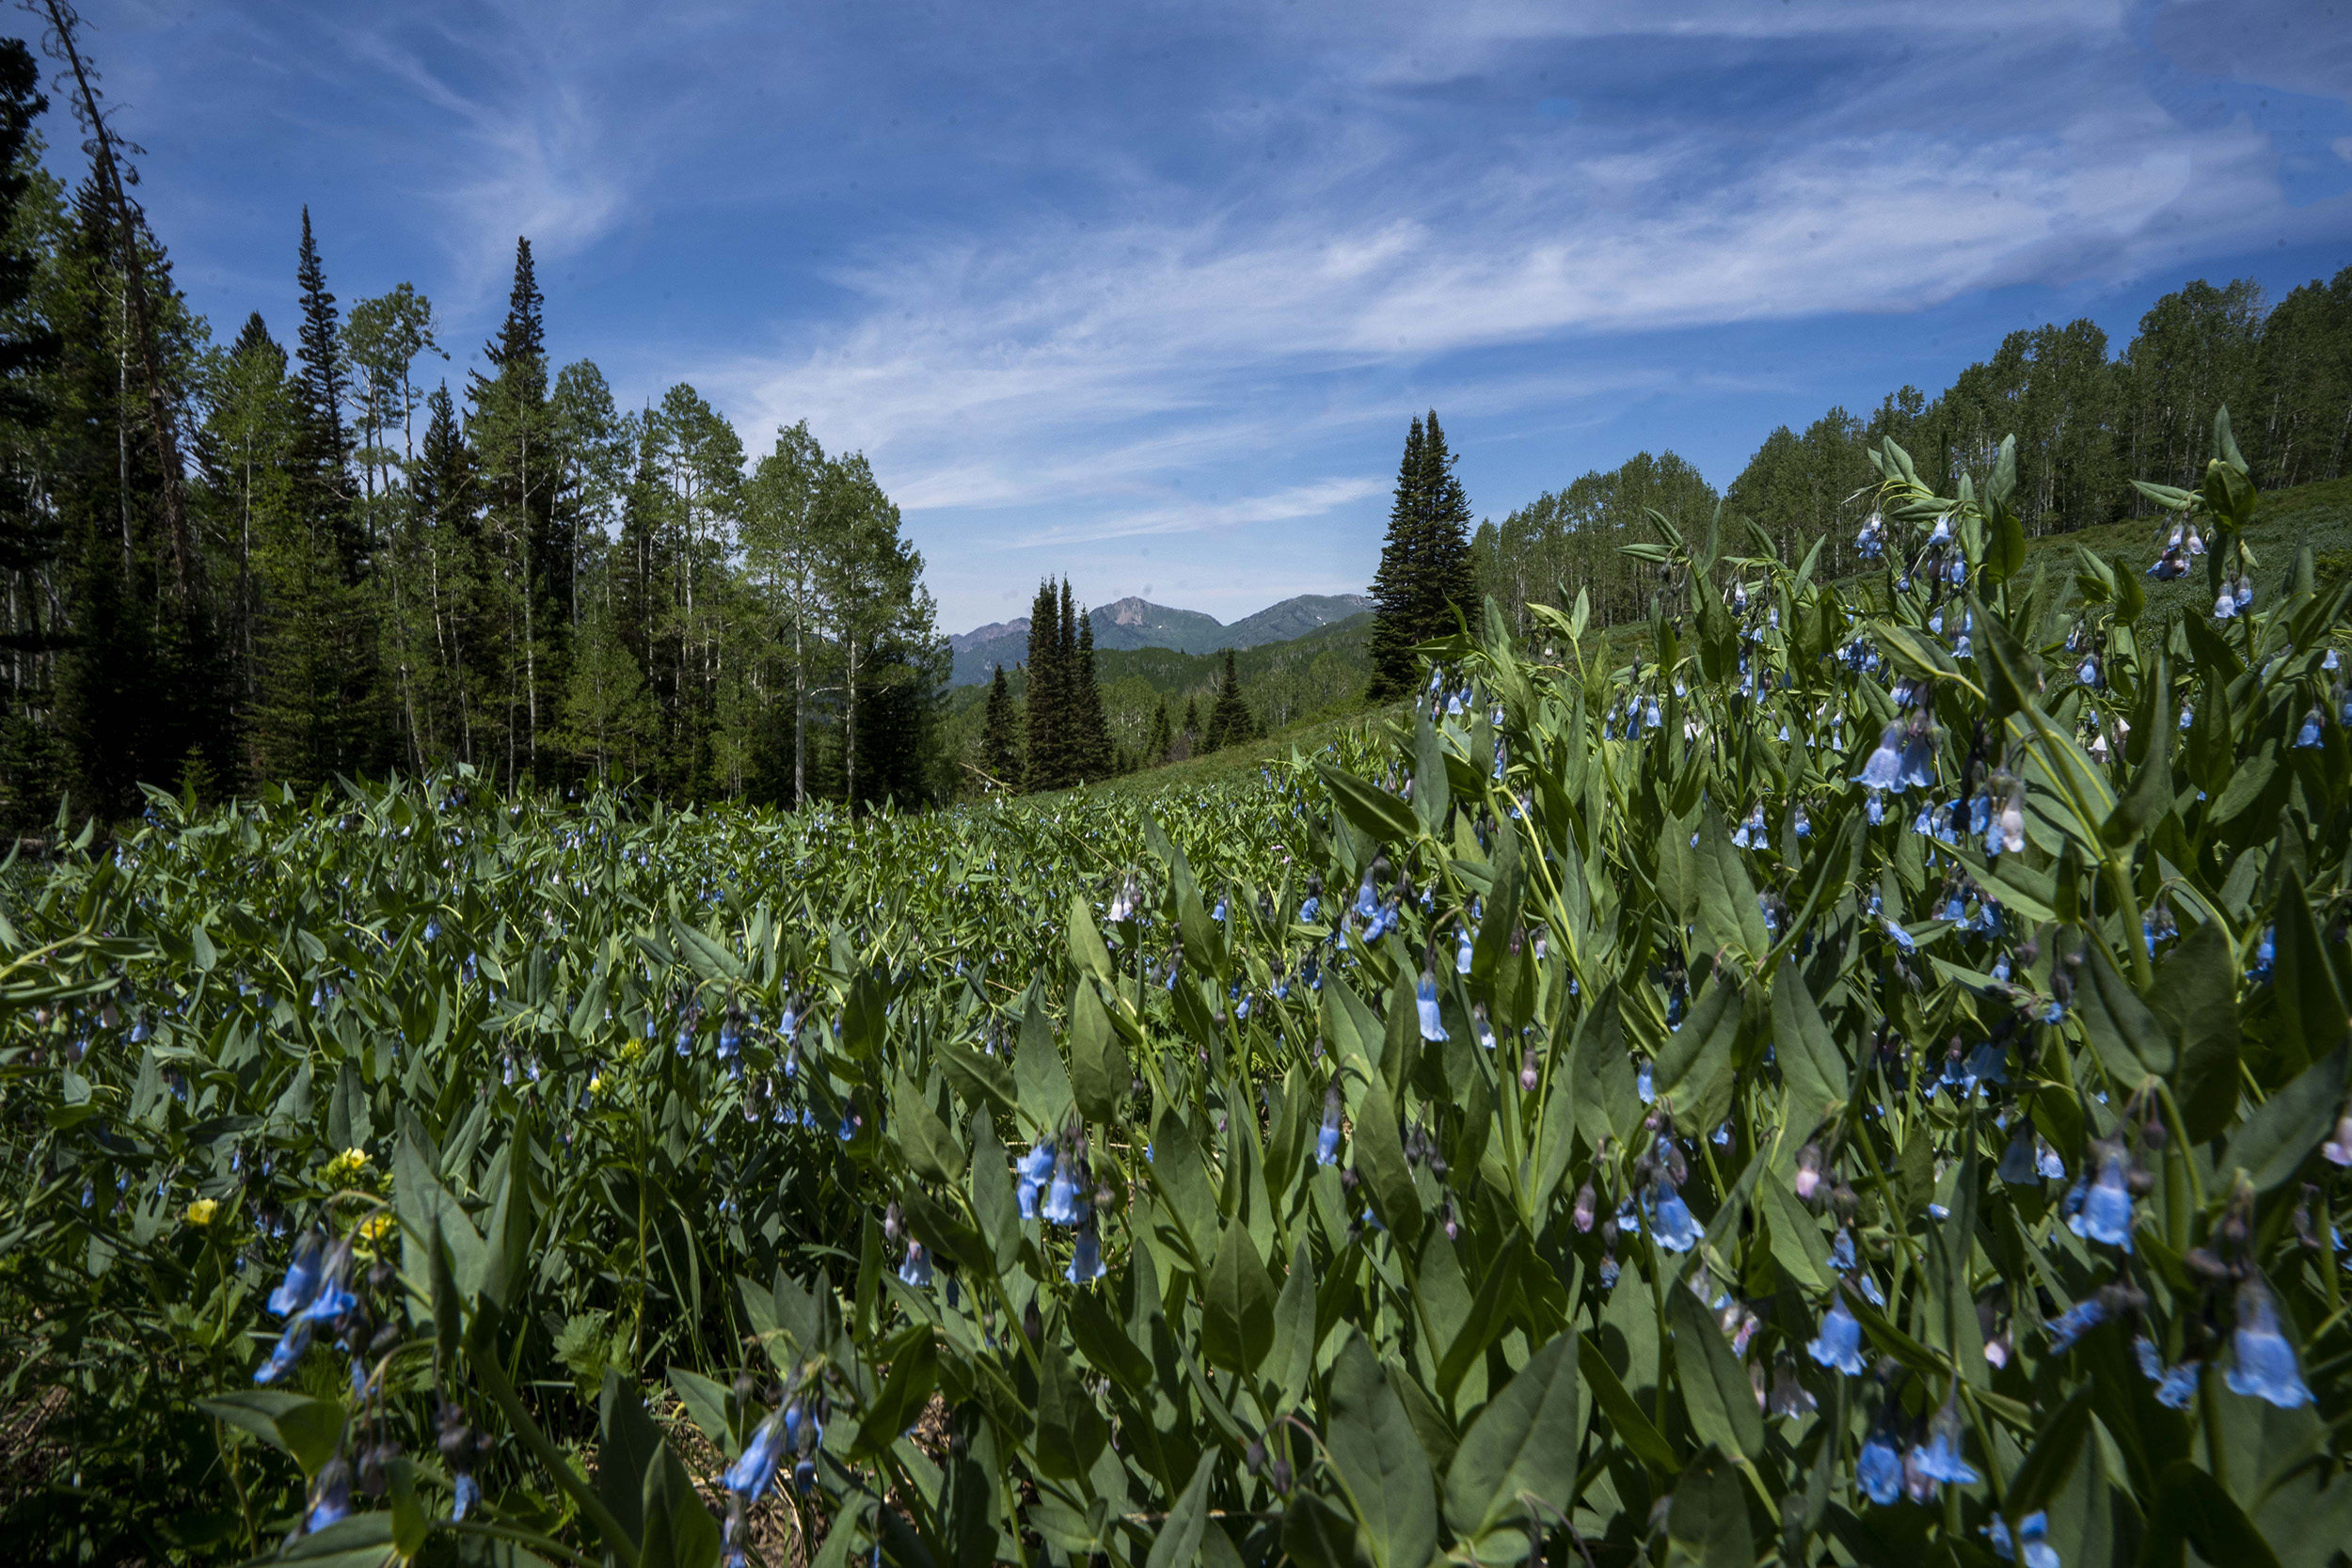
{"x":1148,"y":292}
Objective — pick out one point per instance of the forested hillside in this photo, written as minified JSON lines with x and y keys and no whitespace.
{"x":2087,"y":423}
{"x":303,"y":552}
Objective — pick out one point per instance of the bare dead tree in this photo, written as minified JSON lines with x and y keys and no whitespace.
{"x":106,"y":152}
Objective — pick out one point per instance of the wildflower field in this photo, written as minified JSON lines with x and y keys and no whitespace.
{"x":1862,"y":1080}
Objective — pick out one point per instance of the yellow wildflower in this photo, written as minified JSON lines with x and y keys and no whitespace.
{"x":202,"y":1209}
{"x":347,"y":1165}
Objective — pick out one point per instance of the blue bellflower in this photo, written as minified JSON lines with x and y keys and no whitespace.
{"x":2100,"y":1210}
{"x":1327,"y":1140}
{"x":1839,"y":1344}
{"x":1671,"y":1221}
{"x":2033,"y":1532}
{"x":1879,"y":1470}
{"x":1938,"y":1458}
{"x":749,"y":1477}
{"x":2265,"y":1366}
{"x":1431,"y":1028}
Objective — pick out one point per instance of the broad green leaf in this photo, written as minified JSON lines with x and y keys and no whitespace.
{"x":1381,"y":1461}
{"x":2271,"y":1145}
{"x":1524,"y":1443}
{"x":1715,"y":1389}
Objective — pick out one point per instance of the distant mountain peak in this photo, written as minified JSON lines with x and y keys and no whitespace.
{"x":1136,"y":622}
{"x":1135,"y":610}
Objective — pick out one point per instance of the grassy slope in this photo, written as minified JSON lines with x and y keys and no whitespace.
{"x":1318,"y":677}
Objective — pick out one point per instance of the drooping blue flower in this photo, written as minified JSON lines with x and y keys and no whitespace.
{"x":1086,"y":1258}
{"x":1367,"y":903}
{"x":916,"y":1272}
{"x":1672,"y":1222}
{"x":749,"y":1477}
{"x":330,"y":1499}
{"x":1431,"y":1028}
{"x":2017,"y":1165}
{"x":1894,"y":928}
{"x":303,"y":1274}
{"x":2032,"y":1533}
{"x":1939,"y":1457}
{"x":1061,"y":1197}
{"x":467,"y":1493}
{"x":1644,"y":1084}
{"x":1879,"y":1470}
{"x":1841,"y":1253}
{"x":2265,"y":1368}
{"x":1918,"y":762}
{"x":1462,"y":955}
{"x":1838,"y":1345}
{"x":2075,"y":1321}
{"x":2309,"y":734}
{"x":287,"y":1352}
{"x":1327,"y":1140}
{"x":1883,"y":768}
{"x":1307,"y":911}
{"x":2100,"y":1210}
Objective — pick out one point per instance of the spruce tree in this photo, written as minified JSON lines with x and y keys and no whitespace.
{"x":1158,"y":743}
{"x":322,"y":451}
{"x":1093,"y":757}
{"x":1230,"y":720}
{"x":1425,"y":564}
{"x":1043,"y":770}
{"x":1191,"y":732}
{"x":1000,"y":739}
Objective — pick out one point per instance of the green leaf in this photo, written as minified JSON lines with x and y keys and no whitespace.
{"x":929,"y":1145}
{"x":1374,"y":1447}
{"x":2131,"y":1045}
{"x":2193,"y":1507}
{"x":1099,"y":1074}
{"x":1295,"y":1334}
{"x":1237,"y":1315}
{"x":1810,"y":1062}
{"x":1045,"y":1096}
{"x":1715,"y":1389}
{"x":1181,"y":1183}
{"x":1525,"y":1441}
{"x":1633,"y":1428}
{"x":1088,"y":955}
{"x":309,"y":1428}
{"x":983,"y":1080}
{"x":1178,"y":1542}
{"x":706,"y":1403}
{"x":913,"y":1376}
{"x":1694,"y":1067}
{"x":2309,"y":1009}
{"x":1387,"y":1178}
{"x":2196,"y":999}
{"x":1727,"y":905}
{"x":2046,"y":1467}
{"x":1707,"y":1520}
{"x":2271,"y":1145}
{"x":1373,"y":810}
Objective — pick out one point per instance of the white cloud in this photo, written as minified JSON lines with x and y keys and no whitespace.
{"x":1286,"y":505}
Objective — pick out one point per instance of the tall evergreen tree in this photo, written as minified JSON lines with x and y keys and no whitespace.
{"x":1092,"y":753}
{"x":1426,"y":567}
{"x":322,"y":454}
{"x":1000,"y":735}
{"x":1043,"y":762}
{"x":1160,"y":739}
{"x":1230,"y":722}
